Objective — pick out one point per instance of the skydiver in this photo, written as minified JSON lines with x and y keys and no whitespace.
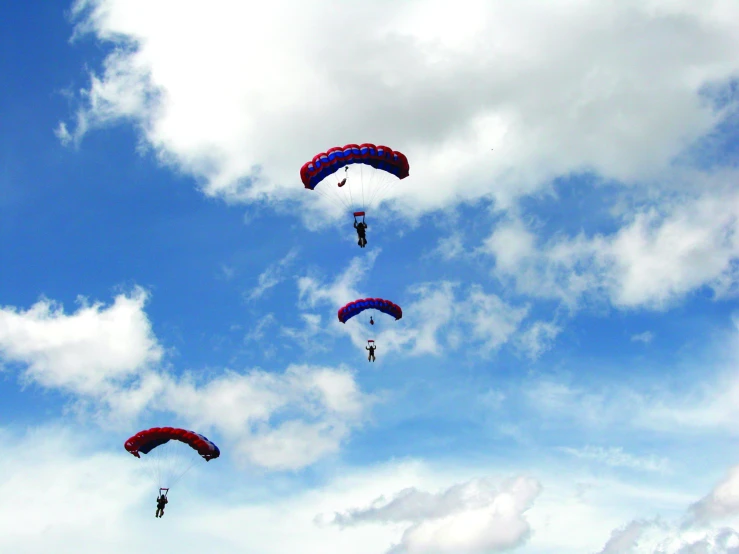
{"x":372,"y":321}
{"x":361,"y":228}
{"x":371,"y":348}
{"x":343,"y":181}
{"x":161,"y":503}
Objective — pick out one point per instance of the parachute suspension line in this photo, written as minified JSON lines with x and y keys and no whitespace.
{"x":374,"y":176}
{"x":336,"y":193}
{"x":389,"y":182}
{"x":378,"y":179}
{"x":361,"y":180}
{"x":378,"y":191}
{"x":163,"y":462}
{"x":336,"y":196}
{"x":160,"y":457}
{"x":351,"y":198}
{"x":181,"y":475}
{"x":337,"y":199}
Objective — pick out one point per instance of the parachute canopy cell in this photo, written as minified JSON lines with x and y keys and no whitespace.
{"x":145,"y":441}
{"x":379,"y":157}
{"x":358,"y":306}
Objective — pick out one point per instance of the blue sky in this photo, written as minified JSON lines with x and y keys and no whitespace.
{"x":564,"y":378}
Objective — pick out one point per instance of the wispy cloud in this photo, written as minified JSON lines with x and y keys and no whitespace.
{"x":257,"y":331}
{"x":646,"y":337}
{"x":616,"y":457}
{"x":227,"y":272}
{"x":538,"y":337}
{"x":272,"y":276}
{"x":662,"y":253}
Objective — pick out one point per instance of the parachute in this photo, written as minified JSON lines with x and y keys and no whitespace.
{"x":373,"y":170}
{"x":145,"y":441}
{"x":358,"y":306}
{"x":171,"y":452}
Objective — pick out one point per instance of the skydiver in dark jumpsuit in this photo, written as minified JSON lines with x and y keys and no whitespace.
{"x":161,"y":503}
{"x":361,"y":228}
{"x":371,"y":357}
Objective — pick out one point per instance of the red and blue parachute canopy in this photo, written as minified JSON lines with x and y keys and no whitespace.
{"x":379,"y":157}
{"x":385,"y":306}
{"x":145,"y":441}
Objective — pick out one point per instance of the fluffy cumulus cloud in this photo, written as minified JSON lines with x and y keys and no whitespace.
{"x":625,"y":539}
{"x":108,"y":359}
{"x":721,"y":502}
{"x":82,"y":352}
{"x":622,"y":84}
{"x":278,"y":421}
{"x":273,"y":420}
{"x":469,"y":518}
{"x":702,"y":530}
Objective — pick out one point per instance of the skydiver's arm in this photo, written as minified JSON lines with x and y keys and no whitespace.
{"x":355,"y":222}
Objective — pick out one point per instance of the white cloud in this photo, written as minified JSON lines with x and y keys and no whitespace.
{"x":342,"y":290}
{"x":707,"y":406}
{"x":84,"y":352}
{"x":60,"y":492}
{"x":311,"y":329}
{"x":108,"y":358}
{"x":626,"y":539}
{"x":272,"y":276}
{"x":475,"y":316}
{"x":472,"y":517}
{"x":616,"y":457}
{"x":56,"y":487}
{"x":256,"y":333}
{"x":227,"y":272}
{"x":450,"y":247}
{"x":538,"y":338}
{"x":492,"y":320}
{"x":660,"y":255}
{"x":646,"y":337}
{"x":721,"y":502}
{"x":272,"y":420}
{"x":211,"y":100}
{"x":660,"y":537}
